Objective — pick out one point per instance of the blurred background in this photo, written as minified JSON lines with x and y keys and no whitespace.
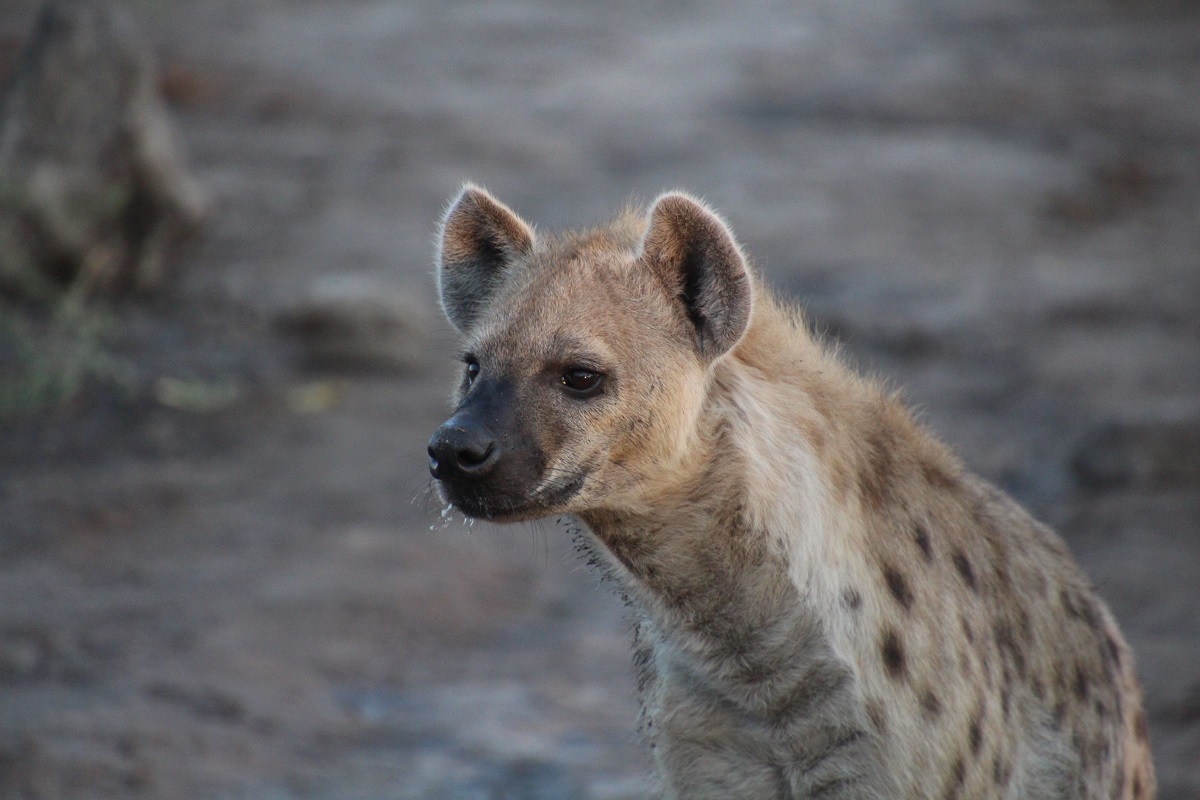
{"x":223,"y":573}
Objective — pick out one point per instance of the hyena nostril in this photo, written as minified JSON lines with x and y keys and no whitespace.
{"x":458,"y":452}
{"x":472,"y":458}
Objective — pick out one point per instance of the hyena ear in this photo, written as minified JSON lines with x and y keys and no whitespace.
{"x":694,"y":253}
{"x":480,"y":238}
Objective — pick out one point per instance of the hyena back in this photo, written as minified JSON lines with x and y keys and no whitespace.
{"x":827,"y":603}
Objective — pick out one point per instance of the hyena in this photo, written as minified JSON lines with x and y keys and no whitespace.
{"x":827,"y":603}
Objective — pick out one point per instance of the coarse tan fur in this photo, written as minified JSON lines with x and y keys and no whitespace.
{"x":827,"y":603}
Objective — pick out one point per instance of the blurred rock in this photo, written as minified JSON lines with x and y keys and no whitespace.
{"x":1114,"y":186}
{"x":92,"y":186}
{"x":205,"y":703}
{"x":357,"y":322}
{"x":1158,"y":454}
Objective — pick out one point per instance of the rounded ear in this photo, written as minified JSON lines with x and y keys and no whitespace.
{"x":695,"y":255}
{"x":480,"y":238}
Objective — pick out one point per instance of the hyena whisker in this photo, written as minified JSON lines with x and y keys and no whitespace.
{"x":538,"y":528}
{"x":427,"y":496}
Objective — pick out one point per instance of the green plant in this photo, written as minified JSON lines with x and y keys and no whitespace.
{"x":48,"y":354}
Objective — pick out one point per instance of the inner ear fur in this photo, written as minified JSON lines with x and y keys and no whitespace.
{"x":480,"y":238}
{"x":694,"y":253}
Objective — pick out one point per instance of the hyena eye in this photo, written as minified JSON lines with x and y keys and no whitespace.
{"x":472,"y":370}
{"x":582,"y":381}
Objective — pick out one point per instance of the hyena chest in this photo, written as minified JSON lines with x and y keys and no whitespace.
{"x":728,"y":719}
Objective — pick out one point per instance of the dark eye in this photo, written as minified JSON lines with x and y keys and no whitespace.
{"x":581,"y":380}
{"x":472,"y":370}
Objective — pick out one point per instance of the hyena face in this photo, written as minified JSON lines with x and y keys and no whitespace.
{"x":586,"y":355}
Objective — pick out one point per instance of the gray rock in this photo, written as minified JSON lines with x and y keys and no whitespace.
{"x":357,"y":322}
{"x":92,"y":186}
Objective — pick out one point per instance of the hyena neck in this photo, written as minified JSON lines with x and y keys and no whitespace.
{"x":705,"y":567}
{"x":789,"y":444}
{"x":712,"y":586}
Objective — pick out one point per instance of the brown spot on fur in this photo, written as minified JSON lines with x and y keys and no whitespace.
{"x":999,"y":772}
{"x":967,"y":630}
{"x":965,"y":570}
{"x":1060,"y":678}
{"x":921,"y":537}
{"x":840,"y":478}
{"x":1007,"y":645}
{"x":878,"y":473}
{"x":1106,"y":659}
{"x":1081,"y":683}
{"x":1023,"y":626}
{"x":1137,"y":786}
{"x":1140,"y":728}
{"x":892,"y":650}
{"x":1018,"y":657}
{"x":958,"y":775}
{"x":1003,"y":578}
{"x":1079,"y":608}
{"x":898,"y":586}
{"x":1114,"y":650}
{"x":976,"y":733}
{"x":852,"y":599}
{"x":936,"y":475}
{"x":930,"y":704}
{"x":1068,"y":604}
{"x":877,"y":714}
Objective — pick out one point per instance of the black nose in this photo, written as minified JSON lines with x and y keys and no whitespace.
{"x":462,"y":450}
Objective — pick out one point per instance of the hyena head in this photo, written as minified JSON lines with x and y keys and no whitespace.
{"x":587,"y":355}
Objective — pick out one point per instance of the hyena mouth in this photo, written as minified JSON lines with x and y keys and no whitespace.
{"x":561,"y":490}
{"x":510,"y":507}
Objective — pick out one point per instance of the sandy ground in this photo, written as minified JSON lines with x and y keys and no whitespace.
{"x":996,"y":205}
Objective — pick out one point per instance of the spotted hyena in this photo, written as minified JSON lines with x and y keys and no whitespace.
{"x":827,"y":603}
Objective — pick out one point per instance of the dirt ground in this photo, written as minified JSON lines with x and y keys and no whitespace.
{"x":994,"y":204}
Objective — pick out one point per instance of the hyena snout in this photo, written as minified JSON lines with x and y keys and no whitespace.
{"x":463,"y":449}
{"x":484,"y":459}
